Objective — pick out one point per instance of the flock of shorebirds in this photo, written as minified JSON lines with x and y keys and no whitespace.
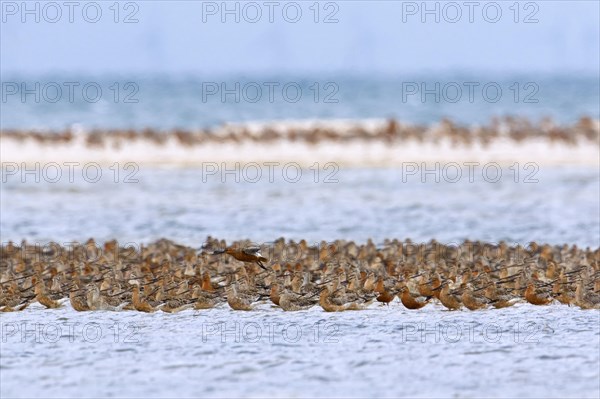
{"x":515,"y":129}
{"x":338,"y":276}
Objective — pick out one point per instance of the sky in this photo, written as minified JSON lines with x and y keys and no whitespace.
{"x":374,"y":37}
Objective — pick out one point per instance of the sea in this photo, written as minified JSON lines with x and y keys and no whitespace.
{"x":385,"y":351}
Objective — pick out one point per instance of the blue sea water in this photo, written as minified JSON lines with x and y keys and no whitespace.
{"x":560,"y":206}
{"x":169,"y":101}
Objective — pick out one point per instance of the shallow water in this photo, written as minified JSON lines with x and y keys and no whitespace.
{"x":555,"y":205}
{"x":523,"y":351}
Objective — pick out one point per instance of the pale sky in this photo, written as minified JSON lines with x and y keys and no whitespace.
{"x":179,"y":37}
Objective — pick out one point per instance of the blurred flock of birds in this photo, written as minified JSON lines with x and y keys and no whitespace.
{"x":515,"y":129}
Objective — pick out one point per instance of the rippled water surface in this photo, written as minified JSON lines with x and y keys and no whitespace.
{"x":525,"y":351}
{"x":555,"y":205}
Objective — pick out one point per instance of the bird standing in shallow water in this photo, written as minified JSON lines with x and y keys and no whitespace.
{"x":290,"y":301}
{"x":471,"y":301}
{"x":78,"y":302}
{"x":42,"y":298}
{"x":141,"y":305}
{"x":237,"y":300}
{"x":411,"y":302}
{"x":449,"y":299}
{"x":536,"y":299}
{"x":385,"y":296}
{"x":586,"y":301}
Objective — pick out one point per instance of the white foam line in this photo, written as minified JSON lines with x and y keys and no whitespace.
{"x":356,"y":153}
